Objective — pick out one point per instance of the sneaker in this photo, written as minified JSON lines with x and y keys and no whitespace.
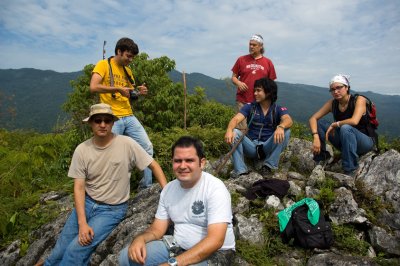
{"x":234,"y":175}
{"x":327,"y":160}
{"x":353,"y":173}
{"x":265,"y":171}
{"x":245,"y":173}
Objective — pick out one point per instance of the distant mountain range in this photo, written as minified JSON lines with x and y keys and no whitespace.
{"x":32,"y":99}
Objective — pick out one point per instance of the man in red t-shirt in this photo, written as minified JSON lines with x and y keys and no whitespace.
{"x":248,"y":69}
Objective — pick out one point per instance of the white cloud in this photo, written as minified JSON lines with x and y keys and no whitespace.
{"x":308,"y":41}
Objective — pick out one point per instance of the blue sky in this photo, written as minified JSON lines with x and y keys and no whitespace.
{"x":308,"y":41}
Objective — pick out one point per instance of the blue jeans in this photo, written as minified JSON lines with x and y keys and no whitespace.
{"x":157,"y":253}
{"x":130,"y":126}
{"x":103,"y":218}
{"x":349,"y":140}
{"x":248,"y":148}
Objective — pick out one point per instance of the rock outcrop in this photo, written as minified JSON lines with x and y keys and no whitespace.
{"x":379,"y":177}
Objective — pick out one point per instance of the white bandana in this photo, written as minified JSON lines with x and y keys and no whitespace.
{"x":257,"y":38}
{"x":344,"y":79}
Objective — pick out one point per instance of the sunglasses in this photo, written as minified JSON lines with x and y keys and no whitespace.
{"x":100,"y":120}
{"x":336,"y":88}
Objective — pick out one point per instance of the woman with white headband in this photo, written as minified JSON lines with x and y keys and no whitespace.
{"x":350,"y":133}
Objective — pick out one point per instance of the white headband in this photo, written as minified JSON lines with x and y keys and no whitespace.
{"x":344,"y":79}
{"x":257,"y":38}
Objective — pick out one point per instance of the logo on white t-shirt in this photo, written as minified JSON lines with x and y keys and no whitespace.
{"x":198,"y":207}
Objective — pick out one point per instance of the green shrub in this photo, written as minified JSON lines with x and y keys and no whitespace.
{"x":30,"y":164}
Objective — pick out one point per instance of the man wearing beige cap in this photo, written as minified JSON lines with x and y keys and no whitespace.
{"x":101,"y":167}
{"x":249,"y":68}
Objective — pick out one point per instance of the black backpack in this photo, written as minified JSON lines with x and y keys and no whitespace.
{"x":304,"y":233}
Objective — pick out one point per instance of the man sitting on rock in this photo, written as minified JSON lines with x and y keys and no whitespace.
{"x":101,"y":167}
{"x":268,"y":129}
{"x":199,"y":205}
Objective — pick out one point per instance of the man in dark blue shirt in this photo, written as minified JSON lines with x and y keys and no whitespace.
{"x":268,"y":129}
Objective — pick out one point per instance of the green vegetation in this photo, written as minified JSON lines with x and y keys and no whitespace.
{"x":326,"y":194}
{"x":346,"y":239}
{"x":32,"y":164}
{"x":371,"y":203}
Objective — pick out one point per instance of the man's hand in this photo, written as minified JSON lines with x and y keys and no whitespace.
{"x":143,"y":89}
{"x":137,"y":250}
{"x":279,"y":135}
{"x":316,"y":149}
{"x":242,"y":86}
{"x":124,"y":91}
{"x":331,"y":131}
{"x":86,"y":234}
{"x":229,"y":136}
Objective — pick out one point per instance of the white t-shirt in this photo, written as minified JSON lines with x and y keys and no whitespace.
{"x":107,"y":170}
{"x":193,"y":209}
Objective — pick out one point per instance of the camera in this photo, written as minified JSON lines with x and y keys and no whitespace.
{"x":171,"y":244}
{"x":134,"y":95}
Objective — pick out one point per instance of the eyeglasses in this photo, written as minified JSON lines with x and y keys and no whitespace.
{"x":336,"y":88}
{"x":105,"y":120}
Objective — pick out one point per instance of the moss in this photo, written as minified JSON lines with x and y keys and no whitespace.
{"x":235,"y":198}
{"x":254,"y":254}
{"x":370,"y":202}
{"x":294,"y":163}
{"x":326,"y":194}
{"x":346,"y":239}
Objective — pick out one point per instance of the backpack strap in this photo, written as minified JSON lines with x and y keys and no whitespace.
{"x":131,"y":80}
{"x":335,"y":105}
{"x":371,"y":131}
{"x":274,"y":118}
{"x":252,"y":113}
{"x":111,"y":73}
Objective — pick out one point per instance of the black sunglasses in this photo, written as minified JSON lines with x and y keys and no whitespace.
{"x":100,"y":120}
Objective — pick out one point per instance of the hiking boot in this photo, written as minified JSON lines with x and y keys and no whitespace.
{"x":265,"y":171}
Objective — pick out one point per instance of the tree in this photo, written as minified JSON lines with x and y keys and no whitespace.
{"x":161,"y":109}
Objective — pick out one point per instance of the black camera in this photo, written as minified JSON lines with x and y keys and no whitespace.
{"x":134,"y":95}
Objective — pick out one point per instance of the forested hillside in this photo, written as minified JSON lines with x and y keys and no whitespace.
{"x":31,"y":98}
{"x":302,"y":100}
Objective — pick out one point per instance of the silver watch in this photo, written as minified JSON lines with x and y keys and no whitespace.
{"x":172,"y":261}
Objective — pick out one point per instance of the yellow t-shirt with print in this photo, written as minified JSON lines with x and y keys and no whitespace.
{"x":120,"y":105}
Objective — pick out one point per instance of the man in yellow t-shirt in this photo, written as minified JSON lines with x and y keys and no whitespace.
{"x":113,"y":80}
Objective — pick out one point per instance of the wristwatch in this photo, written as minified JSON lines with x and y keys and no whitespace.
{"x":172,"y":261}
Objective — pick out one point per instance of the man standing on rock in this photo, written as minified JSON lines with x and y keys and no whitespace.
{"x":249,"y":68}
{"x":101,"y":167}
{"x":199,"y":206}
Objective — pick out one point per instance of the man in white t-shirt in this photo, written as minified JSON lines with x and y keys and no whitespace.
{"x":199,"y":206}
{"x":101,"y":168}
